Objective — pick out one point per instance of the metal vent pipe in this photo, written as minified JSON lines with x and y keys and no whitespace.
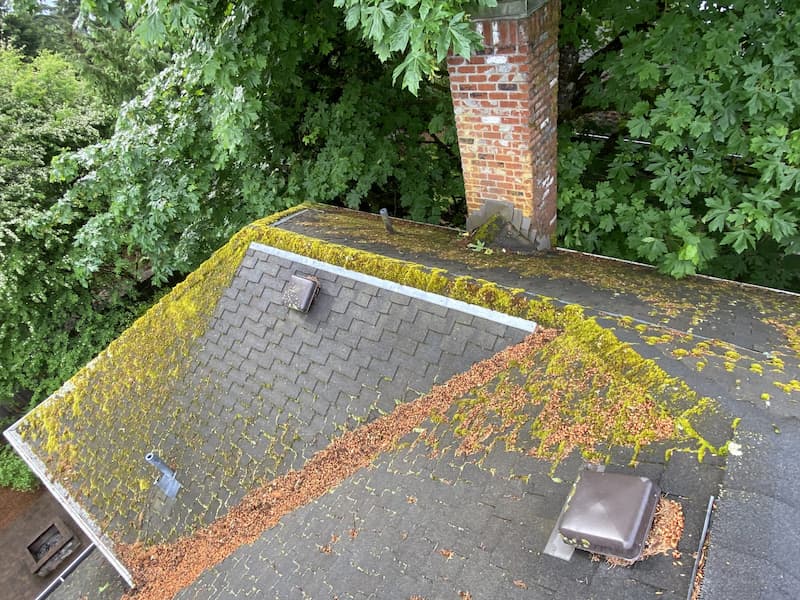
{"x":168,"y":483}
{"x":155,"y":460}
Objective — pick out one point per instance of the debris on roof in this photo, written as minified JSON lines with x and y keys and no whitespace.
{"x":292,"y":430}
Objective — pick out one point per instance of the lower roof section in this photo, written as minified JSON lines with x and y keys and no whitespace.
{"x":255,"y":394}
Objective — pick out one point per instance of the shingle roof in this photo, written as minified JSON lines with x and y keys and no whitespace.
{"x":737,"y":344}
{"x":232,"y":387}
{"x":430,"y":520}
{"x":257,"y":394}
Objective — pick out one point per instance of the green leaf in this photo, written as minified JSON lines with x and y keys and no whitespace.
{"x":699,"y":126}
{"x":352,"y":17}
{"x":412,"y":69}
{"x":398,"y":41}
{"x":460,"y":31}
{"x":374,"y":23}
{"x":606,"y":223}
{"x":639,"y":127}
{"x":648,"y":73}
{"x":717,"y":214}
{"x":689,"y":252}
{"x":652,"y":249}
{"x":783,"y":225}
{"x":668,"y":140}
{"x":151,"y":29}
{"x":740,"y":240}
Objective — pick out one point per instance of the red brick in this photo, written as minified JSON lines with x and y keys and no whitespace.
{"x":506,"y":162}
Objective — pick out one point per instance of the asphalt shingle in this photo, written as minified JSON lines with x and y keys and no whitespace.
{"x":416,"y":523}
{"x":266,"y":387}
{"x":269,"y":387}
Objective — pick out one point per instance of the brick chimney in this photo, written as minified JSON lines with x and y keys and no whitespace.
{"x":505,"y":103}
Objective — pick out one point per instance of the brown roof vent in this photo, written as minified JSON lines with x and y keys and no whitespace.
{"x":300,"y":292}
{"x":610,"y":514}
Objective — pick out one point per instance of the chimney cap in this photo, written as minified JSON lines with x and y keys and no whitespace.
{"x":507,"y":9}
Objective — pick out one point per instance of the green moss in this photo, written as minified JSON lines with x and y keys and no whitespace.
{"x":126,"y":388}
{"x":693,"y":297}
{"x":585,"y":391}
{"x":487,"y":232}
{"x":468,"y":289}
{"x":138,"y":374}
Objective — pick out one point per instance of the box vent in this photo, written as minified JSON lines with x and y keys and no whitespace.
{"x":610,"y":514}
{"x":300,"y":292}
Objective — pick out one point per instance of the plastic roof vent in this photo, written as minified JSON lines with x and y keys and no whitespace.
{"x":300,"y":292}
{"x":610,"y":513}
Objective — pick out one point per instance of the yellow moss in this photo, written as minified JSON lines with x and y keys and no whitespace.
{"x":133,"y":377}
{"x":732,"y":355}
{"x":489,"y":230}
{"x":685,"y":426}
{"x":593,"y":393}
{"x":700,"y":301}
{"x":777,"y":363}
{"x":467,"y":289}
{"x":792,"y":386}
{"x":791,"y":332}
{"x":137,"y":374}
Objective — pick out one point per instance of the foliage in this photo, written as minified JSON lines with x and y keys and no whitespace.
{"x":251,"y":116}
{"x":51,"y":324}
{"x":422,"y":31}
{"x":110,"y":58}
{"x":702,"y":171}
{"x":32,"y":28}
{"x":372,"y":144}
{"x":14,"y":473}
{"x":113,"y":60}
{"x":262,"y":106}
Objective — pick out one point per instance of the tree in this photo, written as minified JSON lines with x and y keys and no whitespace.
{"x":266,"y":104}
{"x":111,"y":58}
{"x":700,"y":103}
{"x":697,"y":173}
{"x":421,"y":31}
{"x":51,"y":324}
{"x":263,"y":105}
{"x":31,"y":28}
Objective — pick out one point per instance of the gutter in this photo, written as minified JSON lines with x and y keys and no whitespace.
{"x":60,"y":493}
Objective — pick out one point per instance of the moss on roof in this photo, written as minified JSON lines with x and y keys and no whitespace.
{"x":124,"y":389}
{"x":583,"y":391}
{"x":677,"y":311}
{"x":696,"y":299}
